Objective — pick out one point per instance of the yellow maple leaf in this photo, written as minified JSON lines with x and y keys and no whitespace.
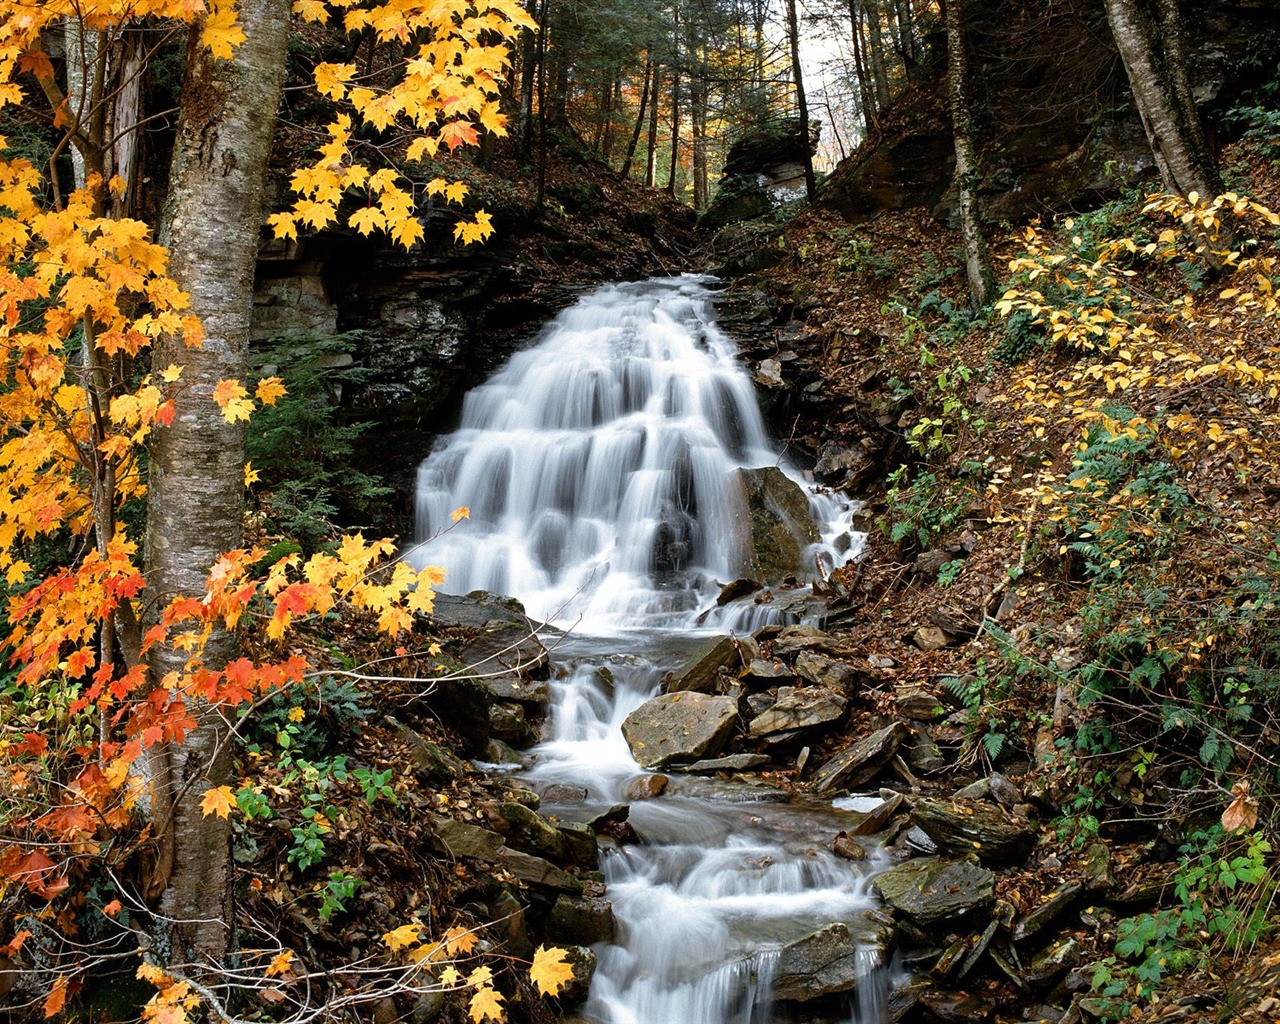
{"x":311,"y":10}
{"x":456,"y":192}
{"x":486,"y":1004}
{"x":460,"y":513}
{"x":269,"y":389}
{"x":550,"y":970}
{"x":233,"y":400}
{"x":222,"y":33}
{"x":405,"y":935}
{"x":331,"y":79}
{"x":284,"y":225}
{"x":460,"y":940}
{"x":297,"y":714}
{"x":450,"y":977}
{"x":251,"y":475}
{"x":219,"y":800}
{"x":171,"y":373}
{"x":280,"y":965}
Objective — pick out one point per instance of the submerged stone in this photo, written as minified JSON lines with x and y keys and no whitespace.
{"x":825,"y":963}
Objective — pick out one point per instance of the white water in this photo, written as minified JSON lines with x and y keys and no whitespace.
{"x":598,"y":469}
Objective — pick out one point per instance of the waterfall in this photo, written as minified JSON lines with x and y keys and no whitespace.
{"x":598,"y":467}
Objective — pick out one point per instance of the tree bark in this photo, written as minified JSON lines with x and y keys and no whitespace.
{"x":865,"y":91}
{"x":644,"y":106}
{"x":675,"y":108}
{"x":195,"y":498}
{"x":651,"y":157}
{"x":793,"y":29}
{"x":875,"y":45}
{"x":1158,"y":77}
{"x":977,"y":260}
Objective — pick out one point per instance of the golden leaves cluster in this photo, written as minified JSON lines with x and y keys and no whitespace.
{"x":441,"y":90}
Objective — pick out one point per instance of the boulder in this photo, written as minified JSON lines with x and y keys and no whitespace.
{"x":799,"y":708}
{"x":679,"y":727}
{"x":1049,"y":908}
{"x":978,"y":827}
{"x":581,"y":847}
{"x":768,"y":672}
{"x":824,"y":963}
{"x":860,"y":762}
{"x":581,"y":920}
{"x":823,"y":671}
{"x":931,"y":889}
{"x":919,"y":702}
{"x":848,"y":468}
{"x":458,"y":839}
{"x":528,"y":831}
{"x":773,"y":524}
{"x":431,"y":762}
{"x":738,"y":588}
{"x":878,"y":817}
{"x":535,"y":871}
{"x":702,"y":671}
{"x":507,"y":723}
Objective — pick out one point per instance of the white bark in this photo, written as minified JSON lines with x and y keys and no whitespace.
{"x":195,"y":501}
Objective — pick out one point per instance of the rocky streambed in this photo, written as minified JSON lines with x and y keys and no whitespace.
{"x":930,"y":899}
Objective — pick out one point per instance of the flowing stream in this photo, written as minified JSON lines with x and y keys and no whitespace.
{"x":599,"y":467}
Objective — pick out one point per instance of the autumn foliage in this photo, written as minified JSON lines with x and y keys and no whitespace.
{"x":84,"y":295}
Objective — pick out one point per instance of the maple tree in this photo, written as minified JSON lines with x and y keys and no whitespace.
{"x":103,"y":363}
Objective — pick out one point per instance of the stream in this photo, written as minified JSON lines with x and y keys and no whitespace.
{"x":600,"y":470}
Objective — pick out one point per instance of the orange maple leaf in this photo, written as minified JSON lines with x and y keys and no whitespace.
{"x":218,"y":800}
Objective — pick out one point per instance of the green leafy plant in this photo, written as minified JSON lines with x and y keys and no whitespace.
{"x":921,"y":509}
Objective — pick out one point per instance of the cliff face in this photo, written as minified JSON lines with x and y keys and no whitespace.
{"x":1056,"y":123}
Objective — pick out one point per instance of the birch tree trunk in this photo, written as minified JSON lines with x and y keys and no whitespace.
{"x":1155,"y":63}
{"x":977,"y":261}
{"x":195,"y":500}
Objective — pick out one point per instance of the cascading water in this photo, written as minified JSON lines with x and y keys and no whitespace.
{"x":599,"y":470}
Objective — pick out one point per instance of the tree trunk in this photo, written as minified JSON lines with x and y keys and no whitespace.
{"x":196,"y":492}
{"x":675,"y":110}
{"x":865,"y":91}
{"x":875,"y":45}
{"x":793,"y":29}
{"x":906,"y":32}
{"x":528,"y":76}
{"x":977,"y":261}
{"x":651,"y":157}
{"x":1158,"y":77}
{"x":644,"y":105}
{"x":698,"y":119}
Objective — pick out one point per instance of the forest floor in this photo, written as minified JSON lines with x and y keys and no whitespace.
{"x":1076,"y":538}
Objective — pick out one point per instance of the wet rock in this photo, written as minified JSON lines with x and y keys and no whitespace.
{"x":799,"y":708}
{"x":930,"y":889}
{"x":979,"y":790}
{"x":507,"y":723}
{"x":917,"y":841}
{"x":923,"y":754}
{"x":1055,"y":959}
{"x":679,"y":727}
{"x":849,"y":849}
{"x":777,"y":527}
{"x":458,"y":839}
{"x":497,"y":752}
{"x":528,"y":831}
{"x":790,"y":640}
{"x":957,"y":1007}
{"x":560,"y":793}
{"x":1054,"y":904}
{"x":860,"y":762}
{"x":824,"y":963}
{"x":1003,"y":790}
{"x":431,"y":762}
{"x":732,"y":763}
{"x":584,"y":969}
{"x":835,"y":675}
{"x":647,"y":787}
{"x":701,"y":673}
{"x":615,"y":815}
{"x":521,"y":794}
{"x":848,"y":467}
{"x":768,"y":672}
{"x":974,"y":827}
{"x":878,"y":817}
{"x":535,"y":871}
{"x":581,"y":920}
{"x":581,"y":847}
{"x":738,"y":588}
{"x":769,"y":373}
{"x":507,"y":912}
{"x":1099,"y":876}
